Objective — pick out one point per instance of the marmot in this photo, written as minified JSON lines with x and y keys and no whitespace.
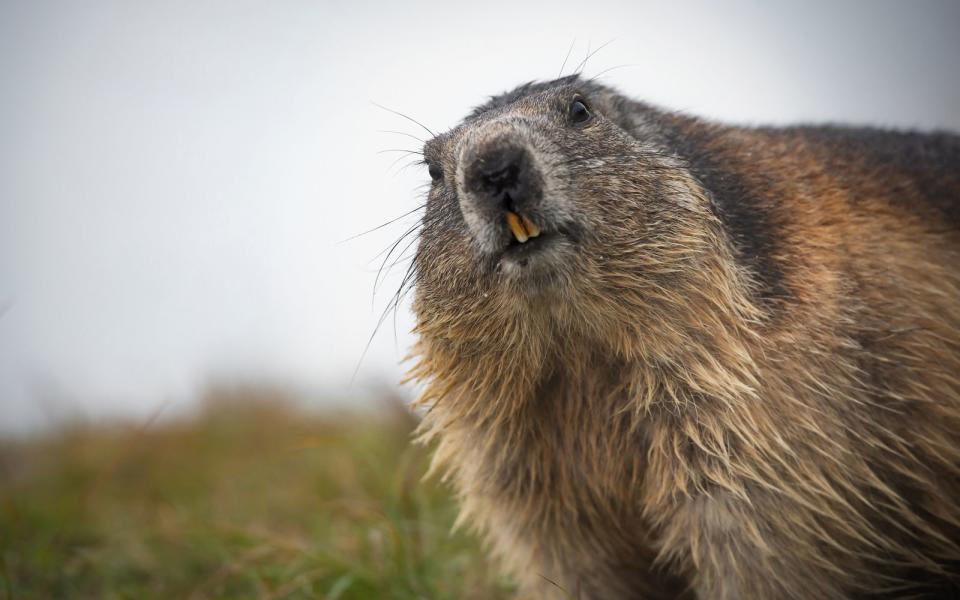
{"x":664,"y":357}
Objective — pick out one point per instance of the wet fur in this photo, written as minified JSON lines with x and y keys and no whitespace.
{"x":742,"y":381}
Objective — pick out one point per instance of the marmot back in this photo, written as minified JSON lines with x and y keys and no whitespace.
{"x":669,"y":358}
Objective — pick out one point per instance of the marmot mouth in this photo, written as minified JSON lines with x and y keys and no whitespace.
{"x":533,"y":250}
{"x":523,"y":245}
{"x":531,"y":245}
{"x":522,"y":227}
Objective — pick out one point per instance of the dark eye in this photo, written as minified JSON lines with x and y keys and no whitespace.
{"x":579,"y":113}
{"x":436,"y":173}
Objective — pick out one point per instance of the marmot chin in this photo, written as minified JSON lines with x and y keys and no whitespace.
{"x":665,"y":358}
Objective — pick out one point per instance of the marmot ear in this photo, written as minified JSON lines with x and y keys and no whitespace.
{"x":635,"y":118}
{"x":615,"y":108}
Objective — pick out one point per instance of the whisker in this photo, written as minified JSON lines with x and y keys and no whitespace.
{"x":412,"y":163}
{"x":567,"y":57}
{"x":402,"y":257}
{"x":399,"y":150}
{"x":605,"y":71}
{"x":409,"y":135}
{"x":589,"y":55}
{"x":410,"y":230}
{"x":409,"y":118}
{"x":577,"y":70}
{"x":418,"y":161}
{"x":366,"y":347}
{"x":393,"y":248}
{"x":390,"y":222}
{"x":405,"y":286}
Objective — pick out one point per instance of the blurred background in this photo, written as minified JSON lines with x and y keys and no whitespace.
{"x":177,"y":179}
{"x":187,"y":408}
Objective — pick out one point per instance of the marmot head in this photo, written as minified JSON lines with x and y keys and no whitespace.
{"x":555,"y":209}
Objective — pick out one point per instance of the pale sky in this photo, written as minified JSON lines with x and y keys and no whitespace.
{"x":176,"y":177}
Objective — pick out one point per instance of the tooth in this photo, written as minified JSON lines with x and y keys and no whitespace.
{"x":531,"y":227}
{"x":516,"y":226}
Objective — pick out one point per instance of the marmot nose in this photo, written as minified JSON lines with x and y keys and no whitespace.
{"x":502,"y":177}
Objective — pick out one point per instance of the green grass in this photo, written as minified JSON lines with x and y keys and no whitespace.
{"x":249,"y":499}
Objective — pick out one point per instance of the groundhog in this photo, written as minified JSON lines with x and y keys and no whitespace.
{"x":667,"y":358}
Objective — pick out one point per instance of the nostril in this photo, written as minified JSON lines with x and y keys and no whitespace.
{"x":498,"y":174}
{"x":500,"y":179}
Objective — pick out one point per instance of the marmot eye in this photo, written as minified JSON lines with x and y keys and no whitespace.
{"x":436,"y":173}
{"x":579,"y":113}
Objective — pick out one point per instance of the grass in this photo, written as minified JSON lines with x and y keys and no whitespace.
{"x":251,"y":498}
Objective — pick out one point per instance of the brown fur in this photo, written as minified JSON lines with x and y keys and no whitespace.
{"x":750,"y":396}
